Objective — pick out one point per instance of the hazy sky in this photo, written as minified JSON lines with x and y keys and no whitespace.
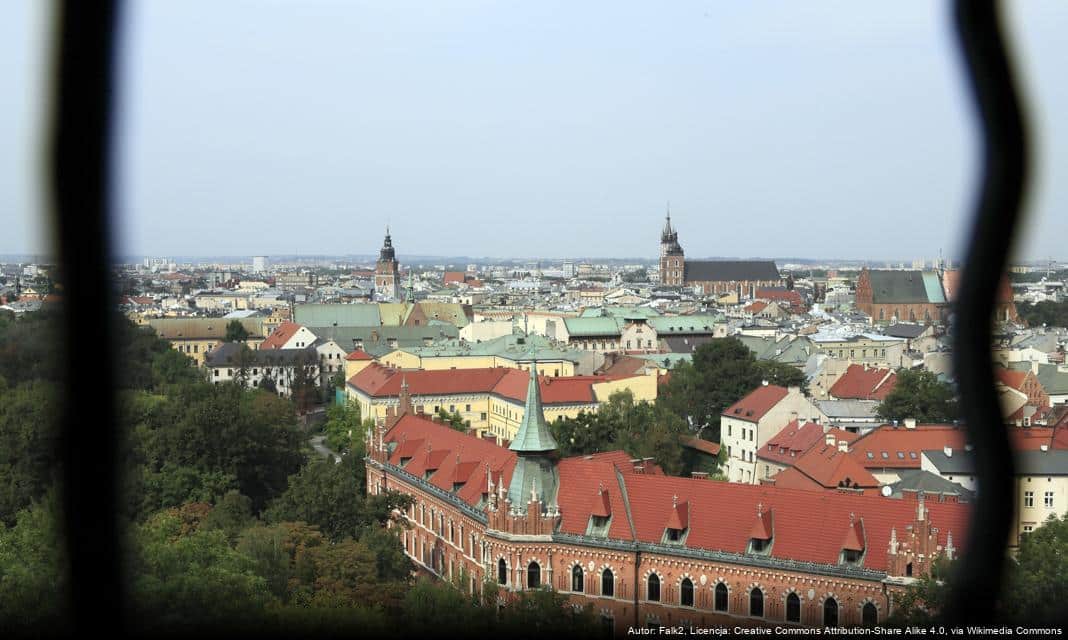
{"x":489,"y":128}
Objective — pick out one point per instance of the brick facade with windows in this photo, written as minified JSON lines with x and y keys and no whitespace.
{"x":644,"y":548}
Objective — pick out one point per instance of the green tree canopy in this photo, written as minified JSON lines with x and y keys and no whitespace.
{"x":236,"y":332}
{"x":919,"y":395}
{"x":723,"y":371}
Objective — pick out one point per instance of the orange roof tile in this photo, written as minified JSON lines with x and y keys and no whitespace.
{"x":759,"y":401}
{"x":860,"y":382}
{"x":280,"y":336}
{"x":900,"y":447}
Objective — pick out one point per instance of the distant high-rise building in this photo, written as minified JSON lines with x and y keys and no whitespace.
{"x":569,"y":269}
{"x":259,"y":264}
{"x":387,"y":272}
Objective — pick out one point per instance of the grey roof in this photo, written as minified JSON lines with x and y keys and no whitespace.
{"x":905,"y":330}
{"x":226,"y":354}
{"x":1037,"y":463}
{"x":1053,"y":380}
{"x":731,"y":270}
{"x":918,"y":480}
{"x":203,"y":328}
{"x":375,"y":336}
{"x":683,"y":344}
{"x":848,"y":408}
{"x":889,"y":287}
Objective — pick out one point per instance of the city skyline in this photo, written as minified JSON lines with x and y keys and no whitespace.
{"x":545,"y":131}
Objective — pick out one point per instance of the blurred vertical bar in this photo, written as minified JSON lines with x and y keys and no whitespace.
{"x":79,"y":189}
{"x":978,"y":584}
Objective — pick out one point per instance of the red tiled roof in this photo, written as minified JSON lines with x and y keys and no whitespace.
{"x":759,"y":401}
{"x":450,"y":454}
{"x":829,"y":468}
{"x":704,"y":446}
{"x":453,"y":277}
{"x":359,"y":354}
{"x":902,"y":446}
{"x":1010,"y":377}
{"x":790,"y":443}
{"x":854,"y":537}
{"x":808,"y":525}
{"x":860,"y":382}
{"x":762,"y":525}
{"x":280,"y":336}
{"x":792,"y":297}
{"x":756,"y":307}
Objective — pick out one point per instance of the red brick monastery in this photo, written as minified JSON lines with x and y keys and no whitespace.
{"x":642,"y":547}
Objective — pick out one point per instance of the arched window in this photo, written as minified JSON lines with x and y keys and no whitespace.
{"x":608,"y":583}
{"x":869,"y":615}
{"x":830,"y":612}
{"x":576,"y":579}
{"x":721,"y":597}
{"x":652,"y":591}
{"x":533,"y":575}
{"x":793,"y":608}
{"x":686,"y":593}
{"x":502,"y":572}
{"x":756,"y":603}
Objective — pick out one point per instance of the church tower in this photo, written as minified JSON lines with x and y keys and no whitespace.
{"x":672,"y":261}
{"x":387,"y":285}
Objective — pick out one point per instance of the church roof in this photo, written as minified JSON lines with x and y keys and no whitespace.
{"x":731,"y":270}
{"x":533,"y":435}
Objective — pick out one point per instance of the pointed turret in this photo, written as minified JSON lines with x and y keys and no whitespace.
{"x":535,"y":468}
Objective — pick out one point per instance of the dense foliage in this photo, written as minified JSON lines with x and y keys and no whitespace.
{"x":722,"y":372}
{"x":641,"y":429}
{"x":230,"y":520}
{"x":1051,"y":314}
{"x":919,"y":395}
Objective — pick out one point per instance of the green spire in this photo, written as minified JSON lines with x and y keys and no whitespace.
{"x":533,"y":435}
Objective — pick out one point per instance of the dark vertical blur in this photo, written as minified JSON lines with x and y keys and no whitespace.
{"x":79,"y":188}
{"x":997,"y":213}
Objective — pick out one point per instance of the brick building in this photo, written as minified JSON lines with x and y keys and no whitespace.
{"x":643,"y":548}
{"x":713,"y":277}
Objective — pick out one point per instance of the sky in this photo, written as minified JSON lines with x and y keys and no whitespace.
{"x":821,"y":129}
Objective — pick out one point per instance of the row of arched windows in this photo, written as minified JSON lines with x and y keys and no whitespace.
{"x":869,"y":612}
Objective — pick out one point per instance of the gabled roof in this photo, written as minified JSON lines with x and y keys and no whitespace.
{"x":752,"y":407}
{"x":830,"y":468}
{"x":909,"y":331}
{"x":900,"y":447}
{"x":280,"y":336}
{"x":731,"y":270}
{"x":903,"y":287}
{"x":763,"y":527}
{"x":859,"y":382}
{"x":791,"y":442}
{"x":854,"y":536}
{"x":358,"y":354}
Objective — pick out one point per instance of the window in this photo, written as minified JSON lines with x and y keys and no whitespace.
{"x":756,"y":603}
{"x":851,"y":556}
{"x":608,"y":583}
{"x":1028,"y":528}
{"x":759,"y":545}
{"x":577,"y":579}
{"x":793,"y":608}
{"x":468,"y":408}
{"x":830,"y":612}
{"x":502,"y":572}
{"x":652,"y":588}
{"x":1029,"y":498}
{"x":533,"y":575}
{"x":720,"y":603}
{"x":686,"y":593}
{"x":869,"y":615}
{"x":1048,"y":500}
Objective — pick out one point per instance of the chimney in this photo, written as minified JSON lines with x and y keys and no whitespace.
{"x":948,"y":451}
{"x":830,"y":440}
{"x":843,"y":446}
{"x":910,"y":423}
{"x":764,"y":382}
{"x":1044,"y":447}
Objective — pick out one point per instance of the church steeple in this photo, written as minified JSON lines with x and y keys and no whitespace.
{"x":535,"y":472}
{"x":534,"y":435}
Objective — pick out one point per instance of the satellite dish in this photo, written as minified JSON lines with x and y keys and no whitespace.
{"x":886,"y":491}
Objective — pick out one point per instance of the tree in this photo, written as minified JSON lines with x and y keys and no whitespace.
{"x":187,"y":578}
{"x":236,"y":332}
{"x":1052,"y":314}
{"x":723,"y":371}
{"x":919,"y":395}
{"x":33,"y":571}
{"x":343,"y":426}
{"x":305,"y":385}
{"x":1037,"y":583}
{"x":453,"y":420}
{"x":28,"y":443}
{"x":922,"y":603}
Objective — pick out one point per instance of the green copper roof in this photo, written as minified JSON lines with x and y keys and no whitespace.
{"x":533,"y":435}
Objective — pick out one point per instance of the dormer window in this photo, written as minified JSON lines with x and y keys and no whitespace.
{"x":851,"y":556}
{"x":404,"y":461}
{"x":853,"y":544}
{"x":674,"y":536}
{"x":678,"y":524}
{"x":598,"y":526}
{"x":761,"y":535}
